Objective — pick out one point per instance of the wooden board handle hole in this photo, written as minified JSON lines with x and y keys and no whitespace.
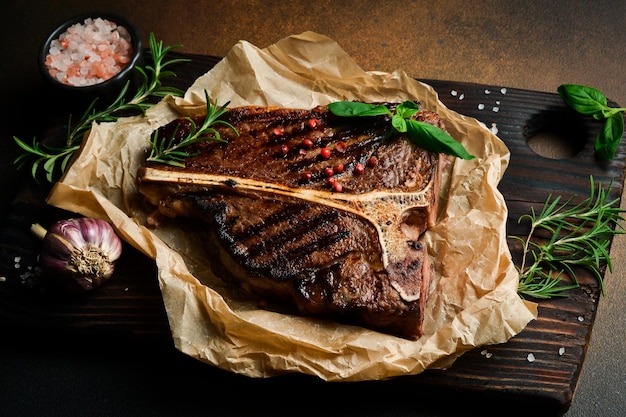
{"x":556,"y":133}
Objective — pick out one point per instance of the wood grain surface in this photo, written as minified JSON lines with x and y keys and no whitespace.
{"x":130,"y":303}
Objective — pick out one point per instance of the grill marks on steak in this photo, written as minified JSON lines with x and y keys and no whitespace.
{"x":350,"y":140}
{"x":353,"y":256}
{"x":322,"y":238}
{"x":324,"y":265}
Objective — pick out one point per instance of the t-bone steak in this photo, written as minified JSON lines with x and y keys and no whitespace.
{"x":310,"y":210}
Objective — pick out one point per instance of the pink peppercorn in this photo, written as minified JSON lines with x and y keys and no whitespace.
{"x":341,"y":146}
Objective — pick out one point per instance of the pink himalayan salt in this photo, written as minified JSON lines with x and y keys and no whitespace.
{"x":89,"y":53}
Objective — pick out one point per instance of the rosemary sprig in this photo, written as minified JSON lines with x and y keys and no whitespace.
{"x":168,"y":151}
{"x":579,"y":236}
{"x":54,"y":159}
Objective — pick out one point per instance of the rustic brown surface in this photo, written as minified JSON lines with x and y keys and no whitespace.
{"x":130,"y":304}
{"x":532,"y":46}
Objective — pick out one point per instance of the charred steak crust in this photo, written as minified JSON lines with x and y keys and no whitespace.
{"x":308,"y":209}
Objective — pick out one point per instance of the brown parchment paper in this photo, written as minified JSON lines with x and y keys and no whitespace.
{"x":473,"y":299}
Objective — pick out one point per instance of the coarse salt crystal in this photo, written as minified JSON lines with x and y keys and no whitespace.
{"x":3,"y":279}
{"x":481,"y":106}
{"x":89,"y":53}
{"x":530,"y":357}
{"x":503,"y":90}
{"x":494,"y":129}
{"x":561,"y":351}
{"x":462,"y":96}
{"x":496,"y":109}
{"x":453,"y":93}
{"x":581,"y":318}
{"x":487,"y":91}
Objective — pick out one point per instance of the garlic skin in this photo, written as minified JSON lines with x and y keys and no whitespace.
{"x":81,"y":252}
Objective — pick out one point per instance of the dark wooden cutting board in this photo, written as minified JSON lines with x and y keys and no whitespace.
{"x":130,"y":303}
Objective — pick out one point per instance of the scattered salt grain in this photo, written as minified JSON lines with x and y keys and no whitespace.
{"x":581,"y":318}
{"x":503,"y":90}
{"x":89,"y":53}
{"x":481,"y":106}
{"x":494,"y":129}
{"x":487,"y":91}
{"x":453,"y":93}
{"x":462,"y":96}
{"x":530,"y":357}
{"x":3,"y":279}
{"x":496,"y":109}
{"x":561,"y":351}
{"x":486,"y":353}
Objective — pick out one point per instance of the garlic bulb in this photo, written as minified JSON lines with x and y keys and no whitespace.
{"x":80,"y":252}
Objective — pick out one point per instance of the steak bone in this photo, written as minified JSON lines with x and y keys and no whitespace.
{"x":399,"y":218}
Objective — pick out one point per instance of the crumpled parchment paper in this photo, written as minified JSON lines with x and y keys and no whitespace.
{"x":473,"y":299}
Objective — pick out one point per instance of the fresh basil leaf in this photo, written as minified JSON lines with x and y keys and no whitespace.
{"x":407,"y":109}
{"x":583,"y":99}
{"x":423,"y":134}
{"x":604,"y":114}
{"x":356,"y":108}
{"x":434,"y":139}
{"x":610,"y":136}
{"x":398,"y":123}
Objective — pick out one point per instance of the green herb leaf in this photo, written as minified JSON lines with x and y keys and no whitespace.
{"x":434,"y":139}
{"x":166,"y":151}
{"x":356,"y":109}
{"x":592,"y":102}
{"x":407,"y":109}
{"x":585,"y":100}
{"x":606,"y":143}
{"x":403,"y":112}
{"x":399,"y":123}
{"x":422,"y":134}
{"x":580,"y":235}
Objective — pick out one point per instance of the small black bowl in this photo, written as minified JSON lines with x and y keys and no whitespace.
{"x":108,"y":89}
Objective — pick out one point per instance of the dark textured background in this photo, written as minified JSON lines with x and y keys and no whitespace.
{"x":535,"y":45}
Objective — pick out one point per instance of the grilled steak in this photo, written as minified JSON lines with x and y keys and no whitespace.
{"x":311,"y":210}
